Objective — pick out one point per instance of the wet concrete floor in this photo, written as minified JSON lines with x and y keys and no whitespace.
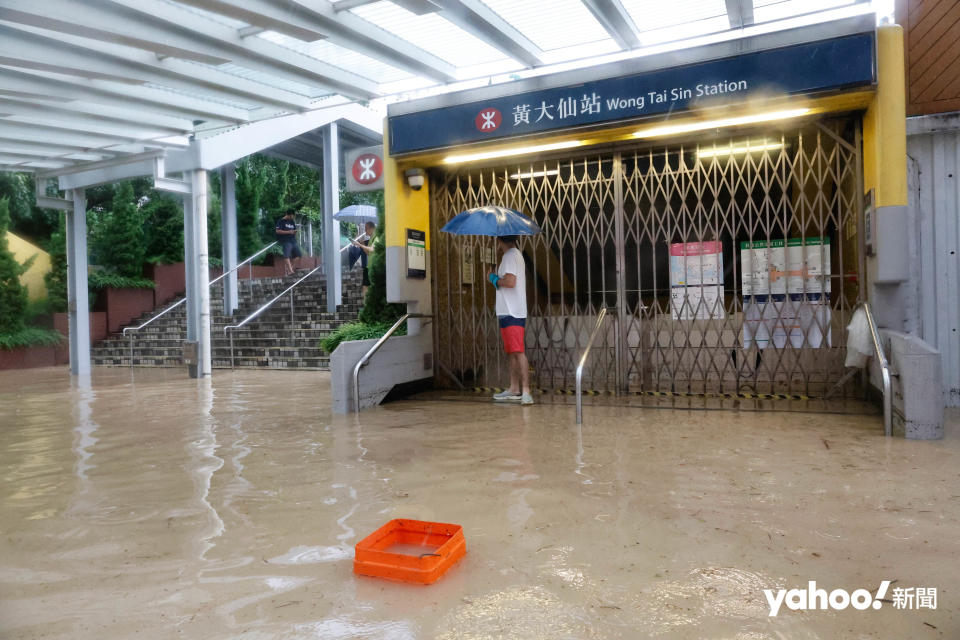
{"x":145,"y":504}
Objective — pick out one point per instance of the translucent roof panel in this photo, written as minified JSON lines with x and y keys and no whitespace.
{"x":770,"y":10}
{"x":650,"y":15}
{"x":431,"y":33}
{"x":273,"y":81}
{"x":237,"y":104}
{"x":551,"y":24}
{"x":210,"y":15}
{"x":338,"y":56}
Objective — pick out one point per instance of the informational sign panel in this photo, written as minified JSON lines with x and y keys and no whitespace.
{"x":365,"y":169}
{"x":784,"y":282}
{"x":416,"y":253}
{"x":795,"y":265}
{"x":807,"y":68}
{"x":696,"y":280}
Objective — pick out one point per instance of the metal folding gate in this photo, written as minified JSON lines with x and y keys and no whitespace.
{"x":731,"y":267}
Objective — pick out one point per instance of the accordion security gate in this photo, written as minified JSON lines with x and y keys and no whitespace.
{"x":732,"y":267}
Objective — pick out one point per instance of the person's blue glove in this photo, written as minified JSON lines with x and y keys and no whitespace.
{"x":494,"y":280}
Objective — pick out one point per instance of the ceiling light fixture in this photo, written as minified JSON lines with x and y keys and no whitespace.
{"x":674,"y":129}
{"x":735,"y":149}
{"x":503,"y":153}
{"x":534,"y":174}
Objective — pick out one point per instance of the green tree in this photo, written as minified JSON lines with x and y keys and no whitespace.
{"x":376,"y":309}
{"x":250,"y":183}
{"x":56,"y":278}
{"x":163,"y":227}
{"x":214,"y":226}
{"x":120,"y":240}
{"x":26,"y":219}
{"x":13,"y":295}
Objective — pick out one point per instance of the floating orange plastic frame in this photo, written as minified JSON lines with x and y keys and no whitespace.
{"x":446,"y":542}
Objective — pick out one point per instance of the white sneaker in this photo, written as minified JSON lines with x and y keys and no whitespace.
{"x":526,"y":399}
{"x":506,"y":396}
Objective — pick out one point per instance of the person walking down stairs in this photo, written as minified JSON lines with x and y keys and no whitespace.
{"x":286,"y":233}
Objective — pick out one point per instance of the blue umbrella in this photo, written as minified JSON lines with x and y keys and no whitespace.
{"x":491,"y":221}
{"x":357,"y":214}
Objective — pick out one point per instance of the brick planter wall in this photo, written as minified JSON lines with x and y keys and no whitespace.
{"x":123,"y":305}
{"x":98,"y":325}
{"x":171,"y":280}
{"x":30,"y":357}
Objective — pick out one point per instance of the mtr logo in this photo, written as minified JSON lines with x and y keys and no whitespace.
{"x":488,"y":119}
{"x":367,"y":168}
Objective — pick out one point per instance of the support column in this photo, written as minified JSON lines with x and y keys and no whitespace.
{"x":198,"y":181}
{"x":228,"y":235}
{"x":331,"y":204}
{"x":310,"y":237}
{"x":78,"y":301}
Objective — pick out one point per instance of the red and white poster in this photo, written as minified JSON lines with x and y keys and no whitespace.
{"x":696,"y":280}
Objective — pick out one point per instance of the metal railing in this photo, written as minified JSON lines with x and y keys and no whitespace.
{"x":266,"y":305}
{"x":248,"y":261}
{"x":357,"y":239}
{"x":583,"y":361}
{"x":376,"y":347}
{"x":884,"y":371}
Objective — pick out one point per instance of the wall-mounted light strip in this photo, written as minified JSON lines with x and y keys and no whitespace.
{"x":730,"y":150}
{"x":534,"y":174}
{"x":674,"y":129}
{"x":504,"y":153}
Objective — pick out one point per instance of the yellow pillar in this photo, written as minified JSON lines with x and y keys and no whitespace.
{"x":885,"y":124}
{"x":406,"y":208}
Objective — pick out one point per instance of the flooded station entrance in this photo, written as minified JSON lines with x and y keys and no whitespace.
{"x":728,"y":266}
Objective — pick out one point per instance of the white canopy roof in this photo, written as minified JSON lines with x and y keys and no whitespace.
{"x":95,"y":81}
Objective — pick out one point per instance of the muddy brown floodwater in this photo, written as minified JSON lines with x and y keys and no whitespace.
{"x":145,"y":504}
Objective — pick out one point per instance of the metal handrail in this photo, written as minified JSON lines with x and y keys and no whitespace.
{"x":266,"y":305}
{"x":181,"y":301}
{"x":347,"y":246}
{"x":884,"y":371}
{"x":583,"y":361}
{"x":376,"y":347}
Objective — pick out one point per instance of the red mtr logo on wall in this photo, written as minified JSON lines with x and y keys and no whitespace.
{"x":367,"y":168}
{"x":488,"y":119}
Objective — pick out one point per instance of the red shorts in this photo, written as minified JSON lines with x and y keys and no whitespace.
{"x":512,"y":331}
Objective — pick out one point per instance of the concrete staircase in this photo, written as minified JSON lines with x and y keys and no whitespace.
{"x":270,"y":341}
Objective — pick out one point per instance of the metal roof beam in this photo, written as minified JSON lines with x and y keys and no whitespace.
{"x":474,"y":17}
{"x":119,"y":94}
{"x":88,"y":124}
{"x":85,"y":111}
{"x":29,"y":47}
{"x":740,"y":13}
{"x":57,"y":136}
{"x":15,"y":147}
{"x":173,"y":31}
{"x":250,"y":52}
{"x":343,"y":28}
{"x":417,"y":7}
{"x":616,"y":20}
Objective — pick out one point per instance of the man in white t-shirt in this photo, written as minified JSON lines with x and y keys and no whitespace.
{"x":510,"y":281}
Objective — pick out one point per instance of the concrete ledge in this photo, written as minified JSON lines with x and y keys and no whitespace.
{"x":401,"y":359}
{"x":915,"y":383}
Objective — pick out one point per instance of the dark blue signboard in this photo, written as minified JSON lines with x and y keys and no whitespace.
{"x":838,"y":63}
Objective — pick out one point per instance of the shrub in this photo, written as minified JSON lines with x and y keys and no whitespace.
{"x":358,"y":331}
{"x":30,"y":337}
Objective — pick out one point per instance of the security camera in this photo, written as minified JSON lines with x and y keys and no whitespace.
{"x":415,"y":178}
